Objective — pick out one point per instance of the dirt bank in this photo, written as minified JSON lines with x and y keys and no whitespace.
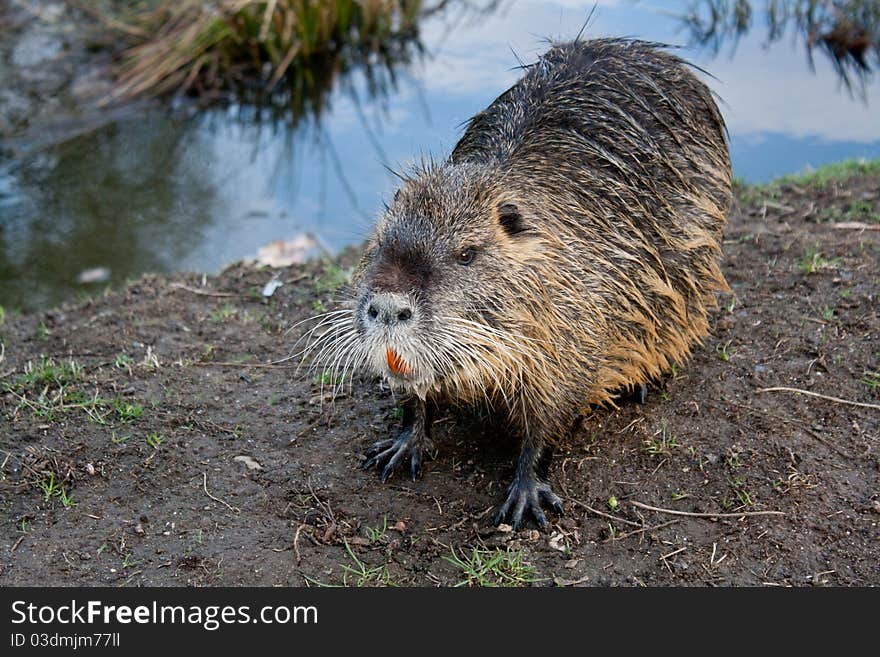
{"x":146,"y":442}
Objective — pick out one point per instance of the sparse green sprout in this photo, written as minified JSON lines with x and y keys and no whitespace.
{"x":43,"y":331}
{"x":679,"y":495}
{"x":126,"y":411}
{"x":222,"y":314}
{"x":724,"y":352}
{"x":154,"y":440}
{"x":2,"y":315}
{"x":872,"y":380}
{"x":744,"y":498}
{"x":814,"y":261}
{"x":327,"y":379}
{"x":66,"y":499}
{"x":52,"y":489}
{"x":207,"y":353}
{"x":49,"y":373}
{"x":129,"y":561}
{"x":730,"y":306}
{"x":377,"y":533}
{"x":363,"y":574}
{"x":124,"y":362}
{"x":332,"y":279}
{"x":732,"y":459}
{"x":827,"y":313}
{"x":496,"y":567}
{"x":49,"y":487}
{"x":742,"y":495}
{"x":613,"y":504}
{"x":118,"y":440}
{"x":661,"y":443}
{"x":266,"y":323}
{"x":318,"y":307}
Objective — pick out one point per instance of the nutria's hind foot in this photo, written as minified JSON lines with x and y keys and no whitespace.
{"x":413,"y":441}
{"x":527,"y":493}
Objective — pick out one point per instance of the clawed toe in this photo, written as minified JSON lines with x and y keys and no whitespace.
{"x":388,"y":454}
{"x":528,"y":494}
{"x":375,"y":450}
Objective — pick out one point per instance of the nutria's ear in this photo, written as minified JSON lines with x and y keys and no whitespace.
{"x":510,"y":219}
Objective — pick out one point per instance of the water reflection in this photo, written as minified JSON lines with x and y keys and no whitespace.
{"x":847,"y":33}
{"x":152,"y":192}
{"x":130,"y":200}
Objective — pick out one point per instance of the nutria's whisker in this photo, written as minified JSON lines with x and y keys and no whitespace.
{"x":330,"y":313}
{"x":330,"y":323}
{"x":331,"y":347}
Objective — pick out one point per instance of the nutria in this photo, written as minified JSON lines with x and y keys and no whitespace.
{"x":567,"y":250}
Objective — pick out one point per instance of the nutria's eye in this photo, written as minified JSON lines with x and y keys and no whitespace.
{"x":466,"y":256}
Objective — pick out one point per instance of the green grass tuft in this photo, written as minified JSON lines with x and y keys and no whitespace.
{"x":484,"y":567}
{"x":831,"y":173}
{"x":822,"y":177}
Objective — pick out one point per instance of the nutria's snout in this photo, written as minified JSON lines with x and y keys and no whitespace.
{"x":388,"y":326}
{"x":387,"y":309}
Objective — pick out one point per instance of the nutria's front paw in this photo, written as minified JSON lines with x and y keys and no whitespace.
{"x":527,"y":493}
{"x":388,"y":454}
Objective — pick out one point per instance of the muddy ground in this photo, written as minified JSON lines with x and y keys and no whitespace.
{"x":145,"y":440}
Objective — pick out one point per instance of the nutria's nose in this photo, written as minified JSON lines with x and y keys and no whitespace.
{"x":389,"y":309}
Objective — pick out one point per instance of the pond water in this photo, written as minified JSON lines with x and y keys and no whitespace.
{"x":151,"y":192}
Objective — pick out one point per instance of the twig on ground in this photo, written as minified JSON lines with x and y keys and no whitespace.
{"x":296,"y":543}
{"x":692,"y":514}
{"x":620,"y":537}
{"x":816,"y":394}
{"x":234,"y":509}
{"x":204,"y":293}
{"x":855,"y":225}
{"x":603,"y":514}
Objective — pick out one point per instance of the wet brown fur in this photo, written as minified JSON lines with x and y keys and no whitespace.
{"x":615,"y":155}
{"x":594,"y":192}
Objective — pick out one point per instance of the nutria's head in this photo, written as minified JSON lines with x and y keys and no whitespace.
{"x":434,"y":289}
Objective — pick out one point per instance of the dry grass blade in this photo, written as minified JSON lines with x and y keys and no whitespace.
{"x":692,"y":514}
{"x":221,"y":44}
{"x":809,"y":393}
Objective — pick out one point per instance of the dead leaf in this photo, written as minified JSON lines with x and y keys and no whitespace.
{"x":249,"y":462}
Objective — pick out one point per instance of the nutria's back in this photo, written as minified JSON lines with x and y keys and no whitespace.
{"x":624,"y":133}
{"x":617,"y":106}
{"x":567,"y":249}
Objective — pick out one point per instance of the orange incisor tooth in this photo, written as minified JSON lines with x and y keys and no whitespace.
{"x":395,"y":363}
